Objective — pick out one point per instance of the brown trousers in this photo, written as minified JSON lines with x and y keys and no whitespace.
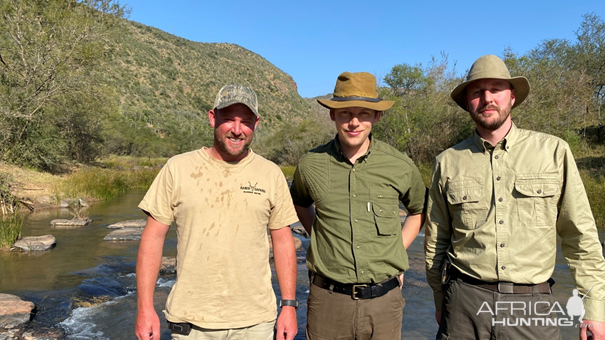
{"x":466,"y":315}
{"x":337,"y":316}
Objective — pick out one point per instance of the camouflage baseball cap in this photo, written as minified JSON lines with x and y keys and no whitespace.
{"x":236,"y":94}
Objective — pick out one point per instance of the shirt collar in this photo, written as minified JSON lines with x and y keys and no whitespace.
{"x":506,"y":143}
{"x":339,"y":152}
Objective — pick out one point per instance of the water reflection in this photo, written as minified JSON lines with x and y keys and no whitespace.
{"x":83,"y":265}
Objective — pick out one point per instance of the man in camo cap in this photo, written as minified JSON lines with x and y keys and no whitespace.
{"x":222,"y":200}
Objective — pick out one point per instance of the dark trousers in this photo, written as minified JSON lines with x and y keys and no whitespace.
{"x":471,"y":312}
{"x":333,"y":315}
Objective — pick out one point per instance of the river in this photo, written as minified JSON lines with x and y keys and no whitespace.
{"x":66,"y":282}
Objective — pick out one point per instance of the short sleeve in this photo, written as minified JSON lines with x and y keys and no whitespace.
{"x":282,"y":212}
{"x":158,"y":199}
{"x":299,"y":191}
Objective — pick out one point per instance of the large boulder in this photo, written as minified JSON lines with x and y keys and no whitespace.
{"x":128,"y":224}
{"x":125,"y":234}
{"x":14,"y":311}
{"x":33,"y":243}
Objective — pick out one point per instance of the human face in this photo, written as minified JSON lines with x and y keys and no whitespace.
{"x":354,"y":125}
{"x":233,"y":131}
{"x":489,"y":102}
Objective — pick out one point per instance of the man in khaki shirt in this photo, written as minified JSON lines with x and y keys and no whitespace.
{"x":497,"y":202}
{"x":222,"y":200}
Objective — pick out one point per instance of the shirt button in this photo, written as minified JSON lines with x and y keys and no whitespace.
{"x":500,"y":199}
{"x":498,"y":178}
{"x":354,"y":195}
{"x":501,"y":245}
{"x":357,"y":247}
{"x":464,"y":198}
{"x":496,"y":157}
{"x":363,"y":272}
{"x":539,"y":191}
{"x":353,"y":170}
{"x":503,"y":267}
{"x":501,"y":222}
{"x":355,"y":220}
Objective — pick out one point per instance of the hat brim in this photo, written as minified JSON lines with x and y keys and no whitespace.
{"x":520,"y":84}
{"x":376,"y":106}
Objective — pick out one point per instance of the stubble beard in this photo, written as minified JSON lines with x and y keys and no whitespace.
{"x":221,"y":144}
{"x":493,"y":125}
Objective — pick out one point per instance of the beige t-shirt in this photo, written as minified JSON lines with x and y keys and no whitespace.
{"x":222,"y":211}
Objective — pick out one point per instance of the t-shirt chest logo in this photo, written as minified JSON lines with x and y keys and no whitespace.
{"x":252,"y":189}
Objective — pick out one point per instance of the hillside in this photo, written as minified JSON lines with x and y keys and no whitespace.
{"x":165,"y":82}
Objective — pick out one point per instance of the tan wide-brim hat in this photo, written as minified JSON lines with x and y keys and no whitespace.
{"x":356,"y":90}
{"x":491,"y":67}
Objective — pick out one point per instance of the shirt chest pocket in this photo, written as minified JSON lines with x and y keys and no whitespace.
{"x":536,"y":197}
{"x":386,"y":214}
{"x":467,"y":206}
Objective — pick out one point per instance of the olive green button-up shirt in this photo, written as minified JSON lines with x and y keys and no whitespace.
{"x":356,"y":234}
{"x":496,"y":212}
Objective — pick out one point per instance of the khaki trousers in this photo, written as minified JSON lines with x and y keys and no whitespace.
{"x":263,"y":331}
{"x":337,"y":316}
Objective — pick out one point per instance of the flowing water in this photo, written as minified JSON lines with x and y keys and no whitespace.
{"x":87,"y":286}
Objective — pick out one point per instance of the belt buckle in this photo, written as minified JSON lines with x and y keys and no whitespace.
{"x":353,"y":291}
{"x":506,"y":287}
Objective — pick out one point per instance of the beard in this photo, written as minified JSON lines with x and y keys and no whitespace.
{"x":496,"y":120}
{"x":221,"y":144}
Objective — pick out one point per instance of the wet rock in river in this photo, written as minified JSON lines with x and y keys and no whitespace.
{"x":125,"y":234}
{"x":14,"y":311}
{"x":300,"y":230}
{"x":168,"y":266}
{"x":34,"y":243}
{"x":128,"y":224}
{"x":74,"y":222}
{"x":97,"y":290}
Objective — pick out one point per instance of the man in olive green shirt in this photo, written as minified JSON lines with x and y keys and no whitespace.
{"x":496,"y":204}
{"x":357,"y":253}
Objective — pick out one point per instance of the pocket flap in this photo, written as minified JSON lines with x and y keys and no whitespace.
{"x":538,"y":185}
{"x":385,"y":209}
{"x":465,"y":195}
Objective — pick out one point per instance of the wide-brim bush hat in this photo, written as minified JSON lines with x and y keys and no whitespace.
{"x":491,"y":67}
{"x":356,"y":90}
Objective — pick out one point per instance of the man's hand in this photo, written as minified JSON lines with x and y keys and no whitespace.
{"x":148,"y":325}
{"x":400,"y":276}
{"x":438,"y":317}
{"x":287,"y":327}
{"x":597,"y":329}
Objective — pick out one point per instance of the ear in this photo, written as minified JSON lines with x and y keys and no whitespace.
{"x":212,"y":117}
{"x":512,"y":97}
{"x":256,"y":122}
{"x":377,"y":117}
{"x":332,"y":115}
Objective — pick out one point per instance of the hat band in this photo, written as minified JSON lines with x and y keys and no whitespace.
{"x":366,"y":99}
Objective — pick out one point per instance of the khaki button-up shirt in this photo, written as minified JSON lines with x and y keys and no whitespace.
{"x":356,"y":235}
{"x":496,"y":212}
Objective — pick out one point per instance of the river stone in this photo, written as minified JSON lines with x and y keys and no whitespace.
{"x":168,"y":266}
{"x":128,"y":224}
{"x":44,"y":334}
{"x":125,"y":234}
{"x":299,"y":229}
{"x":74,"y":222}
{"x":31,"y":243}
{"x":14,"y":311}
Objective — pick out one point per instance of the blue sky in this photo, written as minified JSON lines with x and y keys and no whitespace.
{"x":315,"y":41}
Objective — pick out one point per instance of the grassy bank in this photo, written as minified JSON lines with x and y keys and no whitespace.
{"x":11,"y":227}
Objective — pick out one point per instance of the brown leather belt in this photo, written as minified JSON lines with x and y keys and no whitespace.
{"x":505,"y":287}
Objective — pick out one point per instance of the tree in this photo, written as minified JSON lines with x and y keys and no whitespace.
{"x":48,"y":49}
